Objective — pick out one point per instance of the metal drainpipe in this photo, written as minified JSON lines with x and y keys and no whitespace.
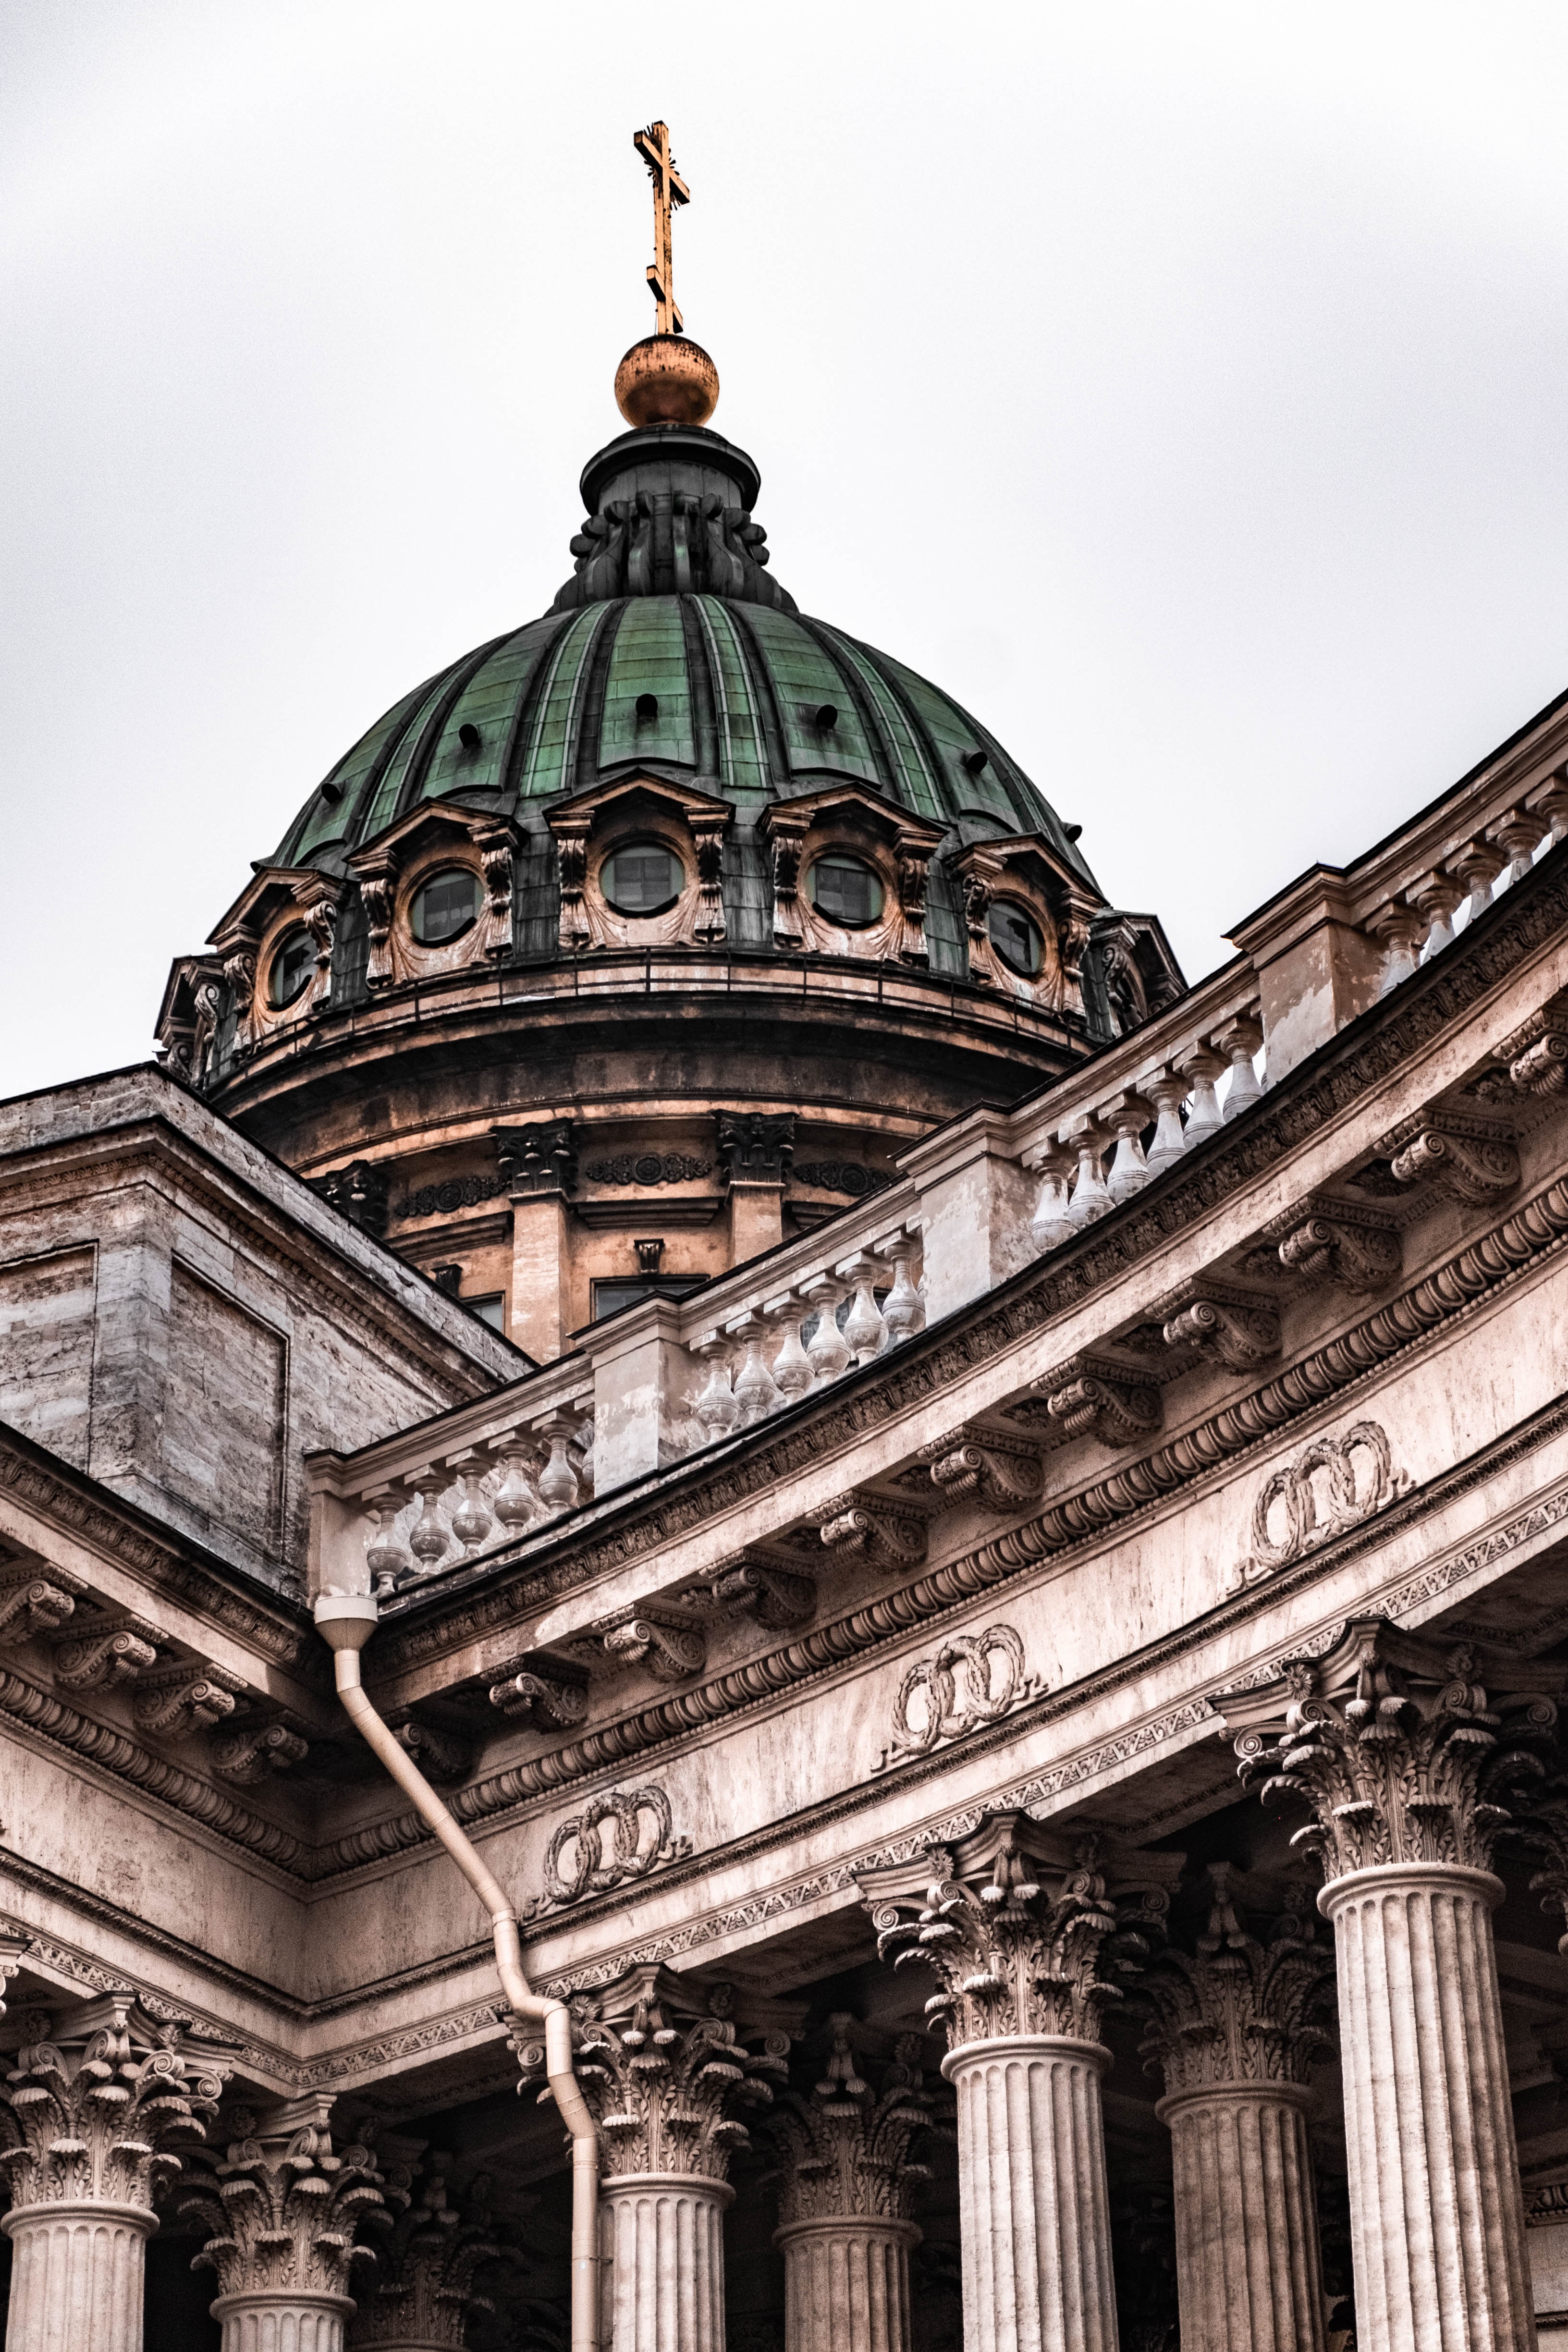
{"x":346,"y":1621}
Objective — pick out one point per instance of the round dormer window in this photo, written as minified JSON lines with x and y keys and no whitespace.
{"x":444,"y":906}
{"x":1016,"y":939}
{"x":291,"y":967}
{"x":847,"y":891}
{"x":643,"y":878}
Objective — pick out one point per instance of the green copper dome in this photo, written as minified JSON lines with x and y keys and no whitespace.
{"x":673,"y":651}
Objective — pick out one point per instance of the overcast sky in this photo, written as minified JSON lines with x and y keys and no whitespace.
{"x":1183,"y":387}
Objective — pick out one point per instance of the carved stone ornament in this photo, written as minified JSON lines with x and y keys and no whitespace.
{"x":1018,"y":1921}
{"x":33,"y":1605}
{"x":282,"y":2206}
{"x":662,"y":2062}
{"x":1329,"y":1485}
{"x":1114,"y":1413}
{"x":537,"y":1159}
{"x":424,"y":2289}
{"x":103,"y":2100}
{"x":749,"y":1587}
{"x":258,"y":1752}
{"x":1240,"y":1337}
{"x":540,"y":1700}
{"x":754,"y":1147}
{"x":1405,"y":1748}
{"x":645,"y":1168}
{"x":843,"y":2147}
{"x":670,"y":542}
{"x":999,"y":1473}
{"x":861,"y":1526}
{"x":1360,"y":1258}
{"x":1478,"y":1170}
{"x":1236,"y":2009}
{"x":618,"y":1836}
{"x":973,"y":1679}
{"x":180,"y":1699}
{"x":671,"y":1652}
{"x":359,"y":1192}
{"x":106,"y":1655}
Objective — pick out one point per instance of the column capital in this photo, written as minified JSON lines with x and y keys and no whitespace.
{"x":661,"y":2058}
{"x":97,"y":2099}
{"x":282,"y":2206}
{"x":1239,"y":2008}
{"x":1406,"y":1748}
{"x":1016,"y":1921}
{"x":423,"y":2286}
{"x":842,"y":2149}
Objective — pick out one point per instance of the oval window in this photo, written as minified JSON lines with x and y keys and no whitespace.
{"x":293,"y":967}
{"x":444,"y":906}
{"x":1015,"y":938}
{"x":846,"y":890}
{"x":643,"y":878}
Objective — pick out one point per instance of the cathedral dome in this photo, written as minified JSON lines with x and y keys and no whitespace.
{"x":673,"y":653}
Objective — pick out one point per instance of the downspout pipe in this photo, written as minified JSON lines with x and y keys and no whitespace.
{"x":346,"y":1621}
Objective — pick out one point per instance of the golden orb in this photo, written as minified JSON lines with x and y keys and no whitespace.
{"x":666,"y":380}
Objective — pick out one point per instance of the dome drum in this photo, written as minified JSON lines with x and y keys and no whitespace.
{"x":672,"y":850}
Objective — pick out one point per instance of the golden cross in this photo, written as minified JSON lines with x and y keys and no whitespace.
{"x":669,"y":191}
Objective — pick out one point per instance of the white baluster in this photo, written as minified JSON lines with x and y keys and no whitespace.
{"x":716,"y":1408}
{"x":828,"y":1349}
{"x":428,"y":1539}
{"x":903,"y":1309}
{"x":516,"y":1502}
{"x":864,"y":1329}
{"x":1477,"y":865}
{"x":1090,"y":1195}
{"x":1128,"y":1115}
{"x":558,"y":1486}
{"x":792,"y":1369}
{"x":1399,"y":929}
{"x":1167,"y":1090}
{"x":383,"y":1555}
{"x":1436,"y":897}
{"x":1240,"y":1039}
{"x":1201,"y":1067}
{"x":1050,"y":1226}
{"x":471,"y":1522}
{"x":754,"y":1391}
{"x":1519,"y":835}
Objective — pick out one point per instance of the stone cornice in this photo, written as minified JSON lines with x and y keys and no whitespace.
{"x":91,"y":1514}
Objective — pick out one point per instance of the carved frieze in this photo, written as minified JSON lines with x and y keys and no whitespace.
{"x":620,"y":1835}
{"x":1329,"y":1485}
{"x":972,"y":1679}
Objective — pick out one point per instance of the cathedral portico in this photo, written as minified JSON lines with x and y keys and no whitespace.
{"x":705,"y":1541}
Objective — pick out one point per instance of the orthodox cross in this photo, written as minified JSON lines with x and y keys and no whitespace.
{"x":669,"y":191}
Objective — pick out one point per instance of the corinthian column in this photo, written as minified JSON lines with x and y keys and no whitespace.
{"x":1235,"y":2034}
{"x":283,"y":2206}
{"x":423,"y":2286}
{"x":1405,"y":1751}
{"x":95,"y":2103}
{"x":1015,"y":1921}
{"x":659,"y":2065}
{"x":845,"y":2182}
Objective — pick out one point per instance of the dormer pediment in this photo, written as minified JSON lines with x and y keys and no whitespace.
{"x":270,"y":890}
{"x":433,"y":825}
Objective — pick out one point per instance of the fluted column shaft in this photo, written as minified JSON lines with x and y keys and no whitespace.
{"x":846,"y":2284}
{"x":283,"y":2321}
{"x":76,"y":2276}
{"x":1437,"y":2212}
{"x":662,"y":2234}
{"x":1248,"y":2272}
{"x":1034,"y":2216}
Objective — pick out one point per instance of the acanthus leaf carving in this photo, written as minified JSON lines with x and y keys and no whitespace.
{"x":283,"y":2205}
{"x":1238,"y":2008}
{"x":105,"y":1655}
{"x":101,"y":2099}
{"x":430,"y":2262}
{"x":752,"y":1587}
{"x":670,"y":1651}
{"x":863,"y":1526}
{"x":1016,"y":1920}
{"x":1476,"y":1170}
{"x":1239,"y":1337}
{"x":1358,"y":1256}
{"x":179,"y":1699}
{"x":844,"y":2147}
{"x":529,"y":1698}
{"x":999,"y":1472}
{"x":1404,"y":1749}
{"x":256,"y":1752}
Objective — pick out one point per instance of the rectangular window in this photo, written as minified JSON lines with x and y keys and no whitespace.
{"x":610,"y":1296}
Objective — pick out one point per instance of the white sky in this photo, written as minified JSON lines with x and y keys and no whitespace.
{"x":1183,"y":387}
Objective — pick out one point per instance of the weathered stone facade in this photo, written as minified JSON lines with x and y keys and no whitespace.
{"x":1058,"y":1395}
